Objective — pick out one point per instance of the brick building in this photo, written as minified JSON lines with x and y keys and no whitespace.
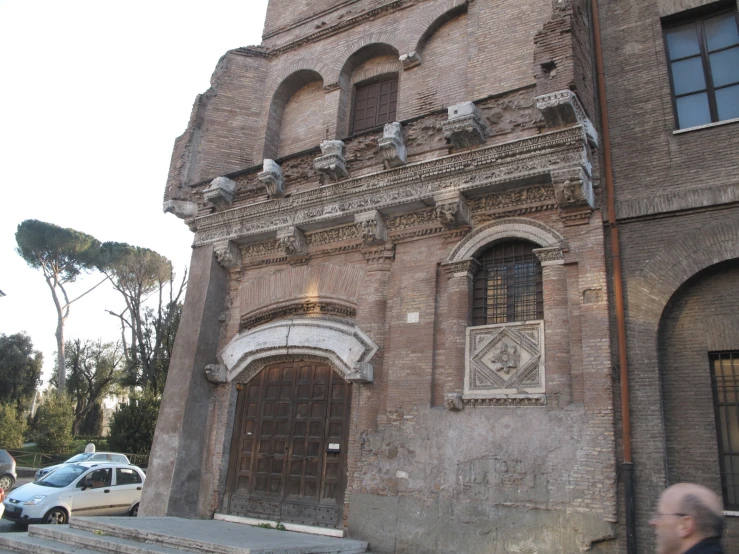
{"x":397,"y":322}
{"x":672,"y":77}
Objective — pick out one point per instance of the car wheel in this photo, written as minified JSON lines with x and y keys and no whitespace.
{"x":7,"y":482}
{"x":134,"y":511}
{"x":56,"y":516}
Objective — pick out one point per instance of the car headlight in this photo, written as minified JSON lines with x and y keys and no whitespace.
{"x":35,"y":500}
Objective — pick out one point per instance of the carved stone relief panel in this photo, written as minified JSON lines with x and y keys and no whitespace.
{"x":373,"y":227}
{"x":503,"y":360}
{"x":292,"y":241}
{"x":452,"y":209}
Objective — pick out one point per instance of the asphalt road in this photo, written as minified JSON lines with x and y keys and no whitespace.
{"x":8,"y":526}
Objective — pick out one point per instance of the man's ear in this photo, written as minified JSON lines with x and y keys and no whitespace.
{"x":686,"y":527}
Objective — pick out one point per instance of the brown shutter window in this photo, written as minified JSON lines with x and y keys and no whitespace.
{"x":375,"y":104}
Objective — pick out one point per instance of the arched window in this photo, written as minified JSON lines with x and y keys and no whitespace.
{"x":508,"y":284}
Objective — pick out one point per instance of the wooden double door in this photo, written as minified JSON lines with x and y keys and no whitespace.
{"x":288,"y":452}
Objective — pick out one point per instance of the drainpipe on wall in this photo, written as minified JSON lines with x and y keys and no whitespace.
{"x":627,"y":467}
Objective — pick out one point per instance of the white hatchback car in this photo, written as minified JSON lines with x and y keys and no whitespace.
{"x":84,"y":489}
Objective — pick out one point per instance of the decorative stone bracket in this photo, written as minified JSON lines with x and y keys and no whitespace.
{"x":550,"y":256}
{"x":372,"y":226}
{"x":228,"y":254}
{"x":454,"y":401}
{"x":220,"y":193}
{"x":392,"y":145}
{"x":505,"y":363}
{"x":563,"y":108}
{"x":573,"y":190}
{"x":409,"y":60}
{"x":331,"y":164}
{"x":452,"y":209}
{"x":292,"y":241}
{"x":464,"y":128}
{"x":463,"y":268}
{"x":344,"y":346}
{"x":216,"y":373}
{"x":180,"y":208}
{"x":271,"y":178}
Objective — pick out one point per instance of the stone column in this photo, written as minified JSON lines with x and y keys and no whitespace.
{"x":175,"y":464}
{"x":556,"y":326}
{"x":458,"y":318}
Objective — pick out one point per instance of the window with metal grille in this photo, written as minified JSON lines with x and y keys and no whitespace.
{"x":508,"y":285}
{"x":725,"y":384}
{"x":375,"y":104}
{"x":703,"y":56}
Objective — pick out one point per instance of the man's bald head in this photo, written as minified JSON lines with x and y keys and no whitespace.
{"x":703,"y":504}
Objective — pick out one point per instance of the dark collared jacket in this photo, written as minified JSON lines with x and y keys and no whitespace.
{"x":707,"y":546}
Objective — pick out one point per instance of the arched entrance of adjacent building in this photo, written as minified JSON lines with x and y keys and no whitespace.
{"x":288,"y":452}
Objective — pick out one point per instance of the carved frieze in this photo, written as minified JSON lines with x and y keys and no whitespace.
{"x":452,"y":209}
{"x":564,"y":108}
{"x":372,"y":226}
{"x":331,"y":164}
{"x":228,"y":254}
{"x":504,"y":359}
{"x":392,"y":145}
{"x":271,"y":178}
{"x":411,"y":59}
{"x":488,"y":167}
{"x":220,"y":193}
{"x":464,"y":128}
{"x":292,"y":241}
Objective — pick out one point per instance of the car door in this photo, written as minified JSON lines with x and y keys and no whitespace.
{"x":128,"y":485}
{"x":95,"y":500}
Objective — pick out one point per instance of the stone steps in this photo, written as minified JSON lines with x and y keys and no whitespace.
{"x":168,"y":535}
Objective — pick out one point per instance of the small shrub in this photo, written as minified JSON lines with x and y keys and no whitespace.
{"x":12,"y":428}
{"x":133,"y":423}
{"x":53,"y":425}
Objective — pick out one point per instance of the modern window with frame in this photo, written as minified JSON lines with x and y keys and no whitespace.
{"x":508,"y":285}
{"x":703,"y":59}
{"x":374,"y":104}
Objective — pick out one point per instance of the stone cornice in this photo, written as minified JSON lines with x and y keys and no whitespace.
{"x":478,"y":170}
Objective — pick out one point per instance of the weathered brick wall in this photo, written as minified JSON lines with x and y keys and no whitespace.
{"x":302,"y":120}
{"x":702,"y":318}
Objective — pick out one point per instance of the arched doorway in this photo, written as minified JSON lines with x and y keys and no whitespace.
{"x":288,"y":450}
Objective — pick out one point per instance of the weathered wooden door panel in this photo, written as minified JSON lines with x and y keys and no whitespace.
{"x":284,"y":463}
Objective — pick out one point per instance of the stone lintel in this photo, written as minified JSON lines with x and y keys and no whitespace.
{"x":271,"y":178}
{"x":228,"y":254}
{"x":331,"y":164}
{"x":292,"y":241}
{"x":409,"y":60}
{"x":564,"y":108}
{"x":372,"y":226}
{"x":392,"y":145}
{"x":180,"y":208}
{"x":452,"y":209}
{"x":463,"y":128}
{"x":550,"y":256}
{"x":220,"y":193}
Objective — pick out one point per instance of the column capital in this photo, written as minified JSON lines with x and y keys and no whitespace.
{"x":463,"y":268}
{"x":552,"y":255}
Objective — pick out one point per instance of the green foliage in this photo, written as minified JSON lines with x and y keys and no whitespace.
{"x":92,"y":421}
{"x":49,"y":247}
{"x":20,"y":370}
{"x":133,"y":269}
{"x":12,"y":427}
{"x":53,"y":424}
{"x":94,"y":370}
{"x":132,"y":425}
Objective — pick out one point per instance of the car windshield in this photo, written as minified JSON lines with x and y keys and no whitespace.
{"x":79,"y":458}
{"x":62,"y":476}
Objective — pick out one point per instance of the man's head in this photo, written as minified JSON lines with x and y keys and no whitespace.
{"x":686,"y":514}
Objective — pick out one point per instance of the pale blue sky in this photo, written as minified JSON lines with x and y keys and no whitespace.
{"x":92,"y":95}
